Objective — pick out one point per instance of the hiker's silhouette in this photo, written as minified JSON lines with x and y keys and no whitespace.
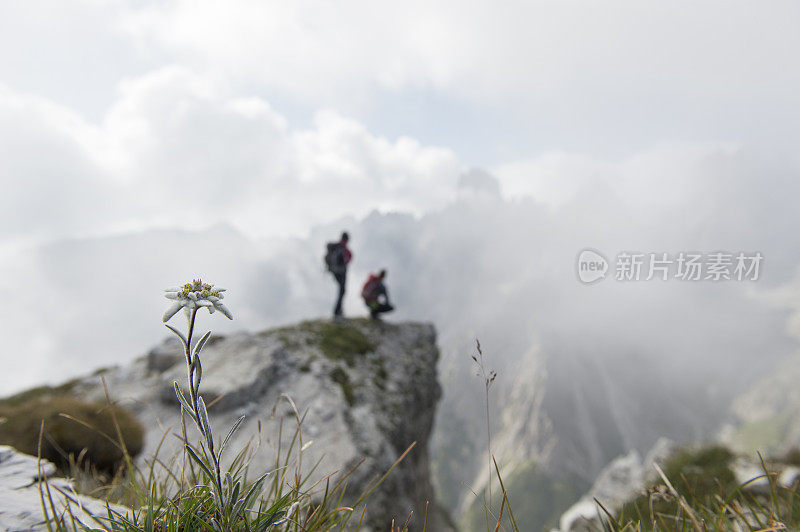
{"x":337,"y":257}
{"x":375,"y":295}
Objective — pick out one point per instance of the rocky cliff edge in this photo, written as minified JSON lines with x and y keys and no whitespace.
{"x":365,"y":390}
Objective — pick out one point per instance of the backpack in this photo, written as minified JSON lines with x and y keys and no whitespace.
{"x":370,"y":290}
{"x":334,"y":257}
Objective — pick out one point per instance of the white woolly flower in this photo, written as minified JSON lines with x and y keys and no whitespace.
{"x":194,"y":295}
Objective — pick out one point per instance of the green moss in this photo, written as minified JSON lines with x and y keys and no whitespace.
{"x":699,"y":475}
{"x":95,"y":431}
{"x":343,"y":342}
{"x":339,"y":376}
{"x":337,"y":340}
{"x":380,"y":374}
{"x":290,"y":338}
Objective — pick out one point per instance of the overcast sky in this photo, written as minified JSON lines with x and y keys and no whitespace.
{"x":276,"y":117}
{"x":117,"y":115}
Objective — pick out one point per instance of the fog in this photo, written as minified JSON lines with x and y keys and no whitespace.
{"x":484,"y":265}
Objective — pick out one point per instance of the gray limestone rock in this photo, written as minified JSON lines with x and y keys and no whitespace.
{"x":21,"y":495}
{"x":365,"y":391}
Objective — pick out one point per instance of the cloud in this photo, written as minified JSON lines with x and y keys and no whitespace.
{"x":51,"y":184}
{"x":496,"y":81}
{"x":485,"y":49}
{"x":177,"y":150}
{"x":566,"y":65}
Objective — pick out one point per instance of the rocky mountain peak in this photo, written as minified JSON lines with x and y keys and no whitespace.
{"x":364,"y":391}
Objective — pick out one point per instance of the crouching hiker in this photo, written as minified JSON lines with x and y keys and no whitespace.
{"x":375,"y":295}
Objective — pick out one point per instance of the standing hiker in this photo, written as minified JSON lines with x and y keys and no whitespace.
{"x":375,"y":295}
{"x":337,"y":258}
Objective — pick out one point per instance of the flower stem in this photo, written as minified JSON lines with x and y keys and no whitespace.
{"x":193,"y":394}
{"x":188,"y":349}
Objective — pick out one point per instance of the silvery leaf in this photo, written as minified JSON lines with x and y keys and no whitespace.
{"x":228,"y":436}
{"x":181,"y":399}
{"x":177,"y":332}
{"x":202,"y":342}
{"x":204,"y":416}
{"x":210,"y":441}
{"x":194,"y":456}
{"x":228,"y":488}
{"x":198,"y":373}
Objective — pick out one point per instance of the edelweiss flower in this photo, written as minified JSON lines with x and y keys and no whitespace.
{"x":194,"y":295}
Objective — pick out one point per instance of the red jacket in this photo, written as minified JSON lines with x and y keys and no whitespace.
{"x":347,"y":255}
{"x":372,"y":289}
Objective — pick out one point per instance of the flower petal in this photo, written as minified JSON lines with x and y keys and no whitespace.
{"x":222,"y":308}
{"x":171,"y":295}
{"x":204,"y":303}
{"x":173,"y":289}
{"x":175,"y":307}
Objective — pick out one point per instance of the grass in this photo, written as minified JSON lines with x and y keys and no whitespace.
{"x":700,"y":475}
{"x":696,"y":491}
{"x":173,"y":494}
